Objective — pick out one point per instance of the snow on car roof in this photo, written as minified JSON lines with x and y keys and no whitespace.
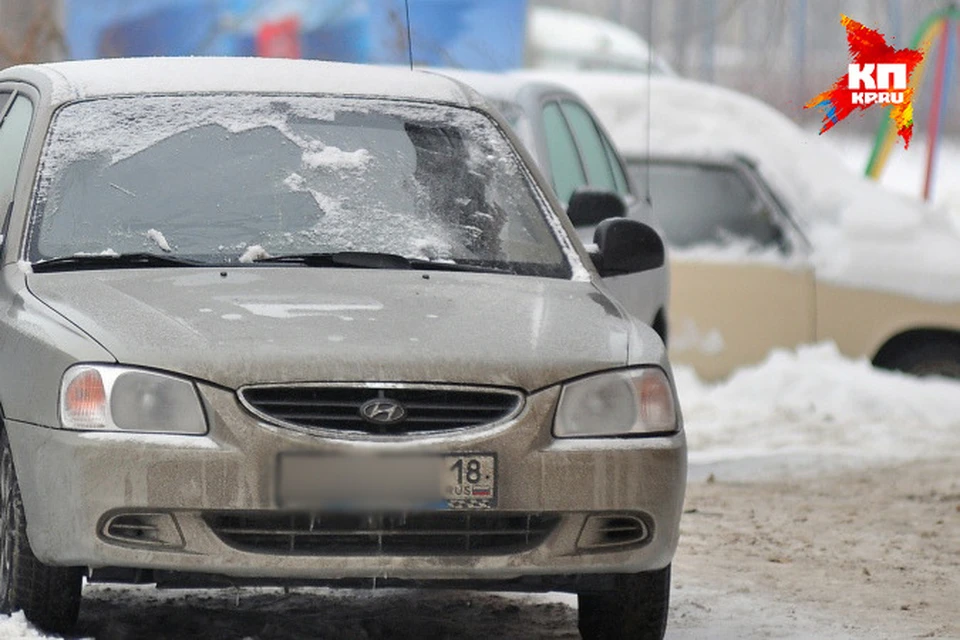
{"x":694,"y":118}
{"x":65,"y":81}
{"x":690,"y":118}
{"x":863,"y":235}
{"x":500,"y":86}
{"x":504,"y":86}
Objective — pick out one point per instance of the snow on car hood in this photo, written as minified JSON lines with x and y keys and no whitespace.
{"x":864,"y":236}
{"x":286,"y":324}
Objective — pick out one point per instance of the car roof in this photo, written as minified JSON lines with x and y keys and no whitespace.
{"x":506,"y":86}
{"x":66,"y":81}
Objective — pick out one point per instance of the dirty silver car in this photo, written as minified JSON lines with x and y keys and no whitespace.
{"x":279,"y":322}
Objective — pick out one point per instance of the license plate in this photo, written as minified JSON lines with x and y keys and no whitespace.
{"x":367,"y":483}
{"x":471,"y":481}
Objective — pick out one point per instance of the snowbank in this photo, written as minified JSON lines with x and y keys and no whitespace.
{"x":815,"y":401}
{"x":16,"y":627}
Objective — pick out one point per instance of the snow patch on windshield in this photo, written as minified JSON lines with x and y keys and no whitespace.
{"x":298,"y":184}
{"x":433,"y":249}
{"x":253,"y":253}
{"x":122,"y":127}
{"x":335,"y":159}
{"x":159,"y":239}
{"x":105,"y":252}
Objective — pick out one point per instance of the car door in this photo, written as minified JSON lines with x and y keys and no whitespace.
{"x":741,"y":280}
{"x":15,"y":115}
{"x":581,"y":155}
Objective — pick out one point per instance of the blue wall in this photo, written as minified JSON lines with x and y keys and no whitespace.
{"x":475,"y":34}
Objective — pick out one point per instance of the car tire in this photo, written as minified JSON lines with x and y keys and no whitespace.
{"x":48,"y":596}
{"x":929,"y":358}
{"x":636,"y":608}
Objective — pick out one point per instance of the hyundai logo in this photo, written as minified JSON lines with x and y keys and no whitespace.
{"x":382,"y":411}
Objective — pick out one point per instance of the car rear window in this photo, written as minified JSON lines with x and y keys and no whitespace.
{"x":210,"y":177}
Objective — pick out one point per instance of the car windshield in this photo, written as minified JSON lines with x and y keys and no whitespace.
{"x":705,"y":204}
{"x":235,"y":179}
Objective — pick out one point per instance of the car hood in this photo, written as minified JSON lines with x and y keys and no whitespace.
{"x":284,"y":324}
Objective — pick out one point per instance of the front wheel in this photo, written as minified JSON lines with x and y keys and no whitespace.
{"x":49,"y":596}
{"x":930,"y":358}
{"x":635,"y":608}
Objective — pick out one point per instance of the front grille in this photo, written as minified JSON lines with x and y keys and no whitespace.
{"x":337,"y":407}
{"x":427,"y":533}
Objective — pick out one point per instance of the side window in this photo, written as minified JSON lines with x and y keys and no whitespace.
{"x":702,"y":205}
{"x":14,"y":127}
{"x":567,"y":173}
{"x":623,"y":187}
{"x":592,"y":149}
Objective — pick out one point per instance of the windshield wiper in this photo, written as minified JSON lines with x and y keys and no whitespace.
{"x":375,"y":260}
{"x":111,"y":261}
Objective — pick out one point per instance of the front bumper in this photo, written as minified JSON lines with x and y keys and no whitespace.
{"x":71,"y":482}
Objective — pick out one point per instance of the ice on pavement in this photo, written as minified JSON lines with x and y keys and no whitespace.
{"x":815,"y":403}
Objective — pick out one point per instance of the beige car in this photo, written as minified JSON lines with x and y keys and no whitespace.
{"x":731,"y":307}
{"x":774,"y":242}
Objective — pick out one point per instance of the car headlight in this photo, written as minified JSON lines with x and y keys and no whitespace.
{"x":618,"y":403}
{"x":109,"y":398}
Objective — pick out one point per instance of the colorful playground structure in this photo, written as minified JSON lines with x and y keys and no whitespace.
{"x":940,"y":29}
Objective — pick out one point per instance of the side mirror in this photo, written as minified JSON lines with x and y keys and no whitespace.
{"x":626,"y":246}
{"x":589,"y":207}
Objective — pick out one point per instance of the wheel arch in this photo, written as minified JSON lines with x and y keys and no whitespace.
{"x":659,"y":325}
{"x":911,"y":338}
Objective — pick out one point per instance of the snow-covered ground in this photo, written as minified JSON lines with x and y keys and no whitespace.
{"x":811,"y":475}
{"x":813,"y":409}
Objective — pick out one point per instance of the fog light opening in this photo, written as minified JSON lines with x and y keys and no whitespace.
{"x":613,"y":530}
{"x":144,"y":529}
